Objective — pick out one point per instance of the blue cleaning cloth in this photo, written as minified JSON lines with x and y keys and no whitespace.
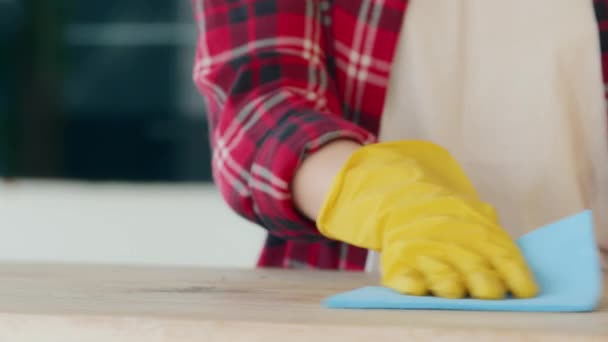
{"x":563,"y":256}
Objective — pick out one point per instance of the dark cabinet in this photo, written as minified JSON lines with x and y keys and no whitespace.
{"x":11,"y":25}
{"x":113,"y":98}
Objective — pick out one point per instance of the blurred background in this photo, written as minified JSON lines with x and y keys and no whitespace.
{"x":104,"y":153}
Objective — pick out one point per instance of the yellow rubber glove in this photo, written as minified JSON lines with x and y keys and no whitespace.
{"x":411,"y":201}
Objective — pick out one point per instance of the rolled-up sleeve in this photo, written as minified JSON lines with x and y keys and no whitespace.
{"x":261,"y":68}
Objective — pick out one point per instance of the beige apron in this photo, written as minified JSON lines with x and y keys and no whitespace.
{"x":513,"y":89}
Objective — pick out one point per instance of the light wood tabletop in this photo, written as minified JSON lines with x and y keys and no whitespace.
{"x":176,"y":304}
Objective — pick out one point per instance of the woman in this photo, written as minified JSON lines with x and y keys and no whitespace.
{"x":331,"y":123}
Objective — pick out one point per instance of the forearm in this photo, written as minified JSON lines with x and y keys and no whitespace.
{"x":261,"y":117}
{"x":315,"y":175}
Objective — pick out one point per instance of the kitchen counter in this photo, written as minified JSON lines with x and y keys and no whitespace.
{"x":55,"y":302}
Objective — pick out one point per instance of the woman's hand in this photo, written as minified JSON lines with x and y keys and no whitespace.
{"x":412,"y":201}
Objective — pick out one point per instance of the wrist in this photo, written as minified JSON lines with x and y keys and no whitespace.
{"x":315,"y":175}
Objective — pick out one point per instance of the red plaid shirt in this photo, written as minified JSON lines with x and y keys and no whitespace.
{"x":281,"y":78}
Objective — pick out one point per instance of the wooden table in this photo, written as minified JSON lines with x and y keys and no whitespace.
{"x":70,"y":303}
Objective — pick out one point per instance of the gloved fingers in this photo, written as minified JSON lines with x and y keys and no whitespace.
{"x":400,"y":274}
{"x":408,"y":281}
{"x":509,"y":264}
{"x":516,"y":275}
{"x":442,"y":279}
{"x":480,"y":279}
{"x":486,"y":284}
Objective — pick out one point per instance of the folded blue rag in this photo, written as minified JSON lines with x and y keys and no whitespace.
{"x":562,"y":255}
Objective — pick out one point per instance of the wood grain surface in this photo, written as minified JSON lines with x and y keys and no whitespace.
{"x":168,"y":304}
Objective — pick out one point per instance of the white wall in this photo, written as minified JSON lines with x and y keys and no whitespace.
{"x":123,"y":223}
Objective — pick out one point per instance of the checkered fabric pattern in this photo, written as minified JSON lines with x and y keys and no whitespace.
{"x":282,"y":78}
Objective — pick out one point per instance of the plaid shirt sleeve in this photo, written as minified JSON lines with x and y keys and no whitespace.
{"x":260,"y":65}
